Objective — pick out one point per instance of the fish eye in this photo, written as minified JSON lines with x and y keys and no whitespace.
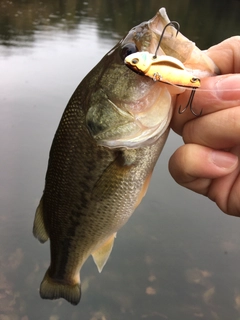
{"x":128,"y":49}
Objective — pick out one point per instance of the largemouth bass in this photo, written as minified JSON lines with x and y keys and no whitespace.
{"x":103,"y":154}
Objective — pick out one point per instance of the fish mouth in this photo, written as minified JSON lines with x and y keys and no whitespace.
{"x":175,"y":44}
{"x":135,"y":69}
{"x":147,"y":119}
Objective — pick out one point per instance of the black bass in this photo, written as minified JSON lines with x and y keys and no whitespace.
{"x":103,"y":154}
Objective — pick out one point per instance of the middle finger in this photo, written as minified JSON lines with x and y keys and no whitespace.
{"x":219,"y":130}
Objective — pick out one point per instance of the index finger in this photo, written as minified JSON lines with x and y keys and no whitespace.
{"x":226,"y":55}
{"x":216,"y":93}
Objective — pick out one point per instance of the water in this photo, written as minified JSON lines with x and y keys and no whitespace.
{"x":178,"y":257}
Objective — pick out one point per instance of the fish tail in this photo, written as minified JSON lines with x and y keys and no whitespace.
{"x":52,"y":289}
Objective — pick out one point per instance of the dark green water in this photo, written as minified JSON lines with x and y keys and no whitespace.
{"x":178,"y":257}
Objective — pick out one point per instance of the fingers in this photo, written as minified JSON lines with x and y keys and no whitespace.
{"x":226,"y":55}
{"x":194,"y":166}
{"x":216,"y":93}
{"x":219,"y":130}
{"x":203,"y":163}
{"x":225,"y":190}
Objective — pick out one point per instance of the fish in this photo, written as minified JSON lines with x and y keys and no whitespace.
{"x":103,"y":154}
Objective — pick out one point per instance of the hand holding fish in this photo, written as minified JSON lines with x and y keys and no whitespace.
{"x":208,"y":163}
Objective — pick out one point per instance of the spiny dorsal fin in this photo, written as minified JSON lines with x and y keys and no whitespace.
{"x":101,"y":255}
{"x":39,"y":230}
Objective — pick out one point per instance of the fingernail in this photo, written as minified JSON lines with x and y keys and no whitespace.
{"x":224,"y":159}
{"x":228,"y":87}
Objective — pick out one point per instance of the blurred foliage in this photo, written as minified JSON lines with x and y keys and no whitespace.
{"x":211,"y":20}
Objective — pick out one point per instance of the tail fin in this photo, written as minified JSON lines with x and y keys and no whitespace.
{"x":51,"y":289}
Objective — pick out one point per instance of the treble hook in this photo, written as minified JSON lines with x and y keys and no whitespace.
{"x":190,"y":101}
{"x":171,"y":23}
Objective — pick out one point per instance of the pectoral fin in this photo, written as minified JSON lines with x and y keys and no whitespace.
{"x":39,"y":230}
{"x":112,"y":178}
{"x":101,"y":255}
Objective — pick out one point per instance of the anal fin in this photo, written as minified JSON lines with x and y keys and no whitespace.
{"x":101,"y":255}
{"x":39,"y":230}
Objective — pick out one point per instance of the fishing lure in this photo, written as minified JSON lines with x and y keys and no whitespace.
{"x":165,"y":69}
{"x":162,"y":68}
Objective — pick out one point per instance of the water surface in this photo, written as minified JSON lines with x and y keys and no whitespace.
{"x":178,"y":256}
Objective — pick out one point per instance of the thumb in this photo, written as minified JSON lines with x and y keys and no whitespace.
{"x":194,"y":166}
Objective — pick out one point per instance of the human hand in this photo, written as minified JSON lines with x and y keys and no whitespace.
{"x":209,"y":163}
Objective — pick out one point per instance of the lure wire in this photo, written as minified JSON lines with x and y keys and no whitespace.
{"x":190,"y":100}
{"x":171,"y":23}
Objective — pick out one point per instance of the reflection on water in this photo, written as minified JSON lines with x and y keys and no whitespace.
{"x":178,"y":257}
{"x":21,"y":22}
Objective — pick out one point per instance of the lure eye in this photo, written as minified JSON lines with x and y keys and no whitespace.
{"x":193,"y":80}
{"x":128,"y":49}
{"x":135,"y":61}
